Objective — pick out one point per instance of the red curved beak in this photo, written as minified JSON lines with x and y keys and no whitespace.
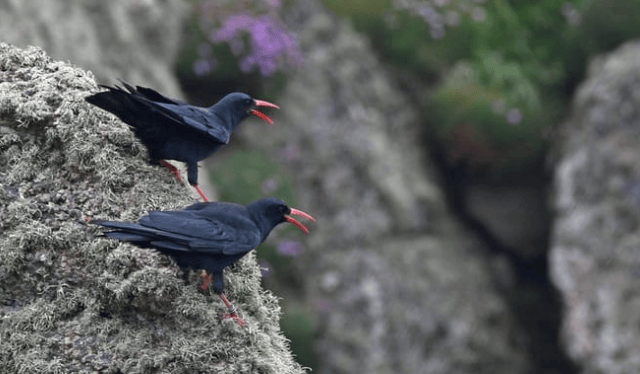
{"x":261,"y":115}
{"x":294,"y":221}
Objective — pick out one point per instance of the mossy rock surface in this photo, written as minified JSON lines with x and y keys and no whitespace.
{"x":71,"y":301}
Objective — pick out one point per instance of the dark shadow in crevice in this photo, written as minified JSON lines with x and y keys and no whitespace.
{"x":533,"y":299}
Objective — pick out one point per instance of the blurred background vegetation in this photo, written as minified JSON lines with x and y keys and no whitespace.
{"x":499,"y":73}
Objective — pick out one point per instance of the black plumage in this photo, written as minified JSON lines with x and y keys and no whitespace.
{"x":209,"y":236}
{"x":174,"y":130}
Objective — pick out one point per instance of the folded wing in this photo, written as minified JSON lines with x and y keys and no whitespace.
{"x":187,"y":231}
{"x":155,"y":116}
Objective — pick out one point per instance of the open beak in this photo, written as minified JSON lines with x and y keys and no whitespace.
{"x":259,"y":114}
{"x":299,"y":213}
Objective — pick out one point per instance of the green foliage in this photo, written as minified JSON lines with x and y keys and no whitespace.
{"x":604,"y":25}
{"x":488,"y":113}
{"x":498,"y":64}
{"x":246,"y":175}
{"x":525,"y":34}
{"x":509,"y":96}
{"x":518,"y":56}
{"x":301,"y":326}
{"x":359,"y":7}
{"x":406,"y":42}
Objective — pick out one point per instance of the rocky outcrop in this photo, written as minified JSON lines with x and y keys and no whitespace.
{"x":137,"y":41}
{"x":595,"y":258}
{"x":74,"y":302}
{"x":399,"y":285}
{"x":133,"y":40}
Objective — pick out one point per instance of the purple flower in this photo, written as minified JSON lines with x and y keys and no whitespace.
{"x":265,"y":268}
{"x":203,"y":66}
{"x":247,"y":63}
{"x":632,"y":189}
{"x":270,"y":42}
{"x":514,"y":116}
{"x":426,"y":12}
{"x":231,"y":26}
{"x":290,"y":248}
{"x":270,"y":185}
{"x":291,"y":152}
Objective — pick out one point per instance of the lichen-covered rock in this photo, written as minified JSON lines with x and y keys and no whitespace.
{"x":73,"y":302}
{"x":133,"y":40}
{"x":595,"y":247}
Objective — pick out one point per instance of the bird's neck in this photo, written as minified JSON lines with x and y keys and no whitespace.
{"x":265,"y":226}
{"x":228,"y":118}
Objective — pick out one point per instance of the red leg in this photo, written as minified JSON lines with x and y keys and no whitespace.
{"x":176,"y":172}
{"x":202,"y":195}
{"x":233,"y":313}
{"x":172,"y":169}
{"x":207,"y":280}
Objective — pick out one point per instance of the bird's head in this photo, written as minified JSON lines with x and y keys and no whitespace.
{"x":241,"y":105}
{"x":270,"y":212}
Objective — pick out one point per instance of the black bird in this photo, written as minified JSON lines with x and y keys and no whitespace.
{"x":174,"y":130}
{"x":209,"y":236}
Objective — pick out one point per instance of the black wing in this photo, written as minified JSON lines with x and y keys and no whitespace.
{"x":194,"y":117}
{"x":156,"y":117}
{"x":184,"y":231}
{"x":216,"y":228}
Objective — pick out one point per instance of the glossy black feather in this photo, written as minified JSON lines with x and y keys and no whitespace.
{"x":171,"y":129}
{"x":208,"y":236}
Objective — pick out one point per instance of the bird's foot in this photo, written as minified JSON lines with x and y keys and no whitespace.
{"x":202,"y":195}
{"x":174,"y":170}
{"x":233,"y":312}
{"x":236,"y":317}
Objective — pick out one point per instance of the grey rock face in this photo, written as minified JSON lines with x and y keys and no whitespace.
{"x":71,"y":302}
{"x":399,"y":286}
{"x":595,"y":253}
{"x":419,"y":305}
{"x":133,"y":40}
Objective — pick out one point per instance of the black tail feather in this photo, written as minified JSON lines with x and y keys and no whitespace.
{"x":118,"y":102}
{"x":142,"y":235}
